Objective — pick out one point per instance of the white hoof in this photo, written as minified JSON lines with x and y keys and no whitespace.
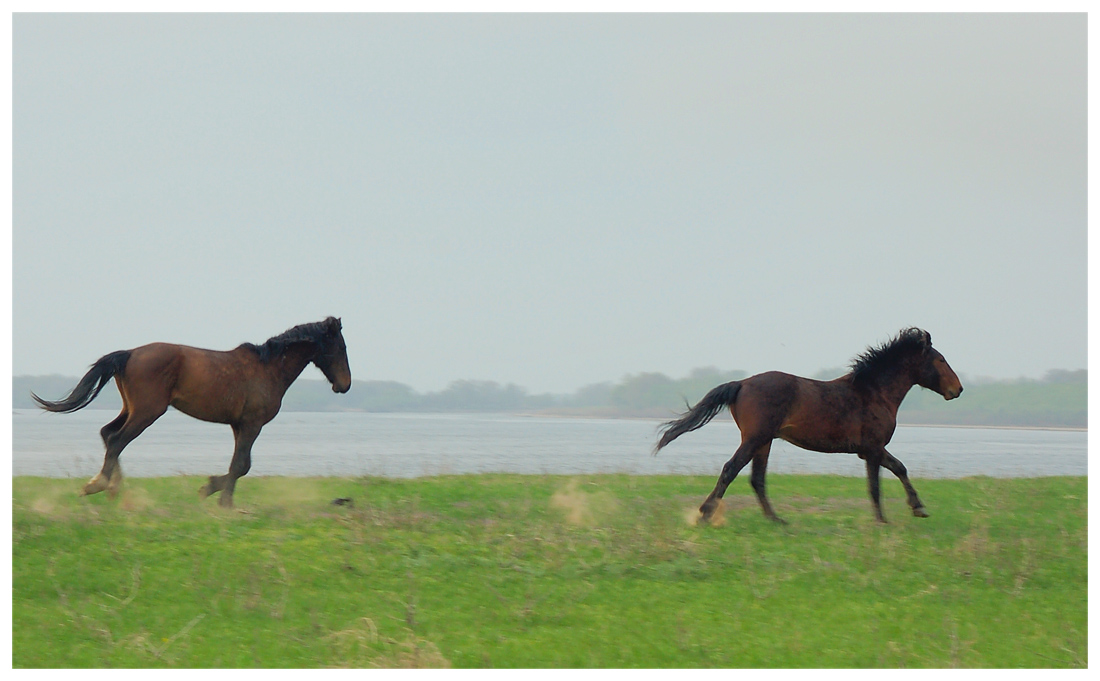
{"x":96,"y":484}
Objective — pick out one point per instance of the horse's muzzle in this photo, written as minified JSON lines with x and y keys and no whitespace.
{"x":341,"y":389}
{"x":952,"y":394}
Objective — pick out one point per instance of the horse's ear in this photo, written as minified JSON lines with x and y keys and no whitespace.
{"x":927,"y":339}
{"x":333,"y":324}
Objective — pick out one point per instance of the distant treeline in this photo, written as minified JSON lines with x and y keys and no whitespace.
{"x":1059,"y":399}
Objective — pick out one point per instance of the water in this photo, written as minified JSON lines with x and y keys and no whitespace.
{"x":412,"y":445}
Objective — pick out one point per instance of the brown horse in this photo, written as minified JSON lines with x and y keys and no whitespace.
{"x":856,"y":413}
{"x":243,"y":387}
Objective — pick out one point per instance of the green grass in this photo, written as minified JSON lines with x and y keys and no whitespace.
{"x":549,"y":571}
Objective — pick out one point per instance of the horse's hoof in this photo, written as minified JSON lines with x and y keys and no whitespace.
{"x":706,"y":515}
{"x":920,"y":512}
{"x":710,"y":511}
{"x":709,"y":517}
{"x":114,"y":487}
{"x":93,"y":486}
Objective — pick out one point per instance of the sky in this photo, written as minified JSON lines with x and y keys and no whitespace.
{"x":552,"y":200}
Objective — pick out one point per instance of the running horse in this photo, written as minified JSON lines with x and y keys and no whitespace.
{"x":856,"y":413}
{"x":243,"y":387}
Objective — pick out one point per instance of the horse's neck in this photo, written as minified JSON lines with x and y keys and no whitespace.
{"x":290,"y":365}
{"x":893,"y":391}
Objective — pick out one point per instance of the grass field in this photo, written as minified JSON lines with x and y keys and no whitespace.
{"x":548,"y":571}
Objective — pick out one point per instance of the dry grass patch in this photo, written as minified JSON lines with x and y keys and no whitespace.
{"x":583,"y":507}
{"x":360,"y":645}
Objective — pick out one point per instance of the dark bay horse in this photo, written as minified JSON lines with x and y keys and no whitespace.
{"x":243,"y":387}
{"x":856,"y":413}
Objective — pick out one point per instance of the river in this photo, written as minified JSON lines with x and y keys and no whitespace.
{"x":412,"y":445}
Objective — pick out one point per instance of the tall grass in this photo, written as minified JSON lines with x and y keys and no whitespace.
{"x":549,"y":571}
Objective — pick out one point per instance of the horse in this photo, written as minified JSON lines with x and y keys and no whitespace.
{"x":856,"y":413}
{"x":243,"y":388}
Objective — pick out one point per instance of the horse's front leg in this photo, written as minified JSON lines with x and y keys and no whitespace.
{"x":892,"y":464}
{"x":244,"y":436}
{"x":874,"y":462}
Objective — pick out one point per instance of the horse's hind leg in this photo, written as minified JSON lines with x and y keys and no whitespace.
{"x":740,"y":458}
{"x":110,"y":476}
{"x":759,"y":470}
{"x":116,"y":435}
{"x":898,"y":468}
{"x":102,"y":480}
{"x":107,"y":431}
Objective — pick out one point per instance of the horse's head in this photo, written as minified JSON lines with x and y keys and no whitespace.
{"x":332,"y":358}
{"x":934,"y":373}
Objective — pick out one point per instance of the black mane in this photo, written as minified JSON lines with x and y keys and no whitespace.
{"x":318,"y":333}
{"x":890,"y":354}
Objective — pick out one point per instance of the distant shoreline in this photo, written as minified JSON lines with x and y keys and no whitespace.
{"x":596,"y":415}
{"x":561,"y":414}
{"x":1051,"y":404}
{"x":1075,"y":429}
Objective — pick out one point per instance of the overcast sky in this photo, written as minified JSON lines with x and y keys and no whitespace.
{"x":552,"y":200}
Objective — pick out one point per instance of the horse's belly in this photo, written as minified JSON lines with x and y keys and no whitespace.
{"x":228,"y":408}
{"x":836,"y":442}
{"x":213,"y":411}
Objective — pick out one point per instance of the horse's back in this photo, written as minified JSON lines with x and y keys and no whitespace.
{"x":211,"y":385}
{"x":155,"y":365}
{"x":170,"y":362}
{"x":764,"y":400}
{"x":817,"y":415}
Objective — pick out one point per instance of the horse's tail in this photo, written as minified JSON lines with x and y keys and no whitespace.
{"x":89,"y":386}
{"x":701,"y":414}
